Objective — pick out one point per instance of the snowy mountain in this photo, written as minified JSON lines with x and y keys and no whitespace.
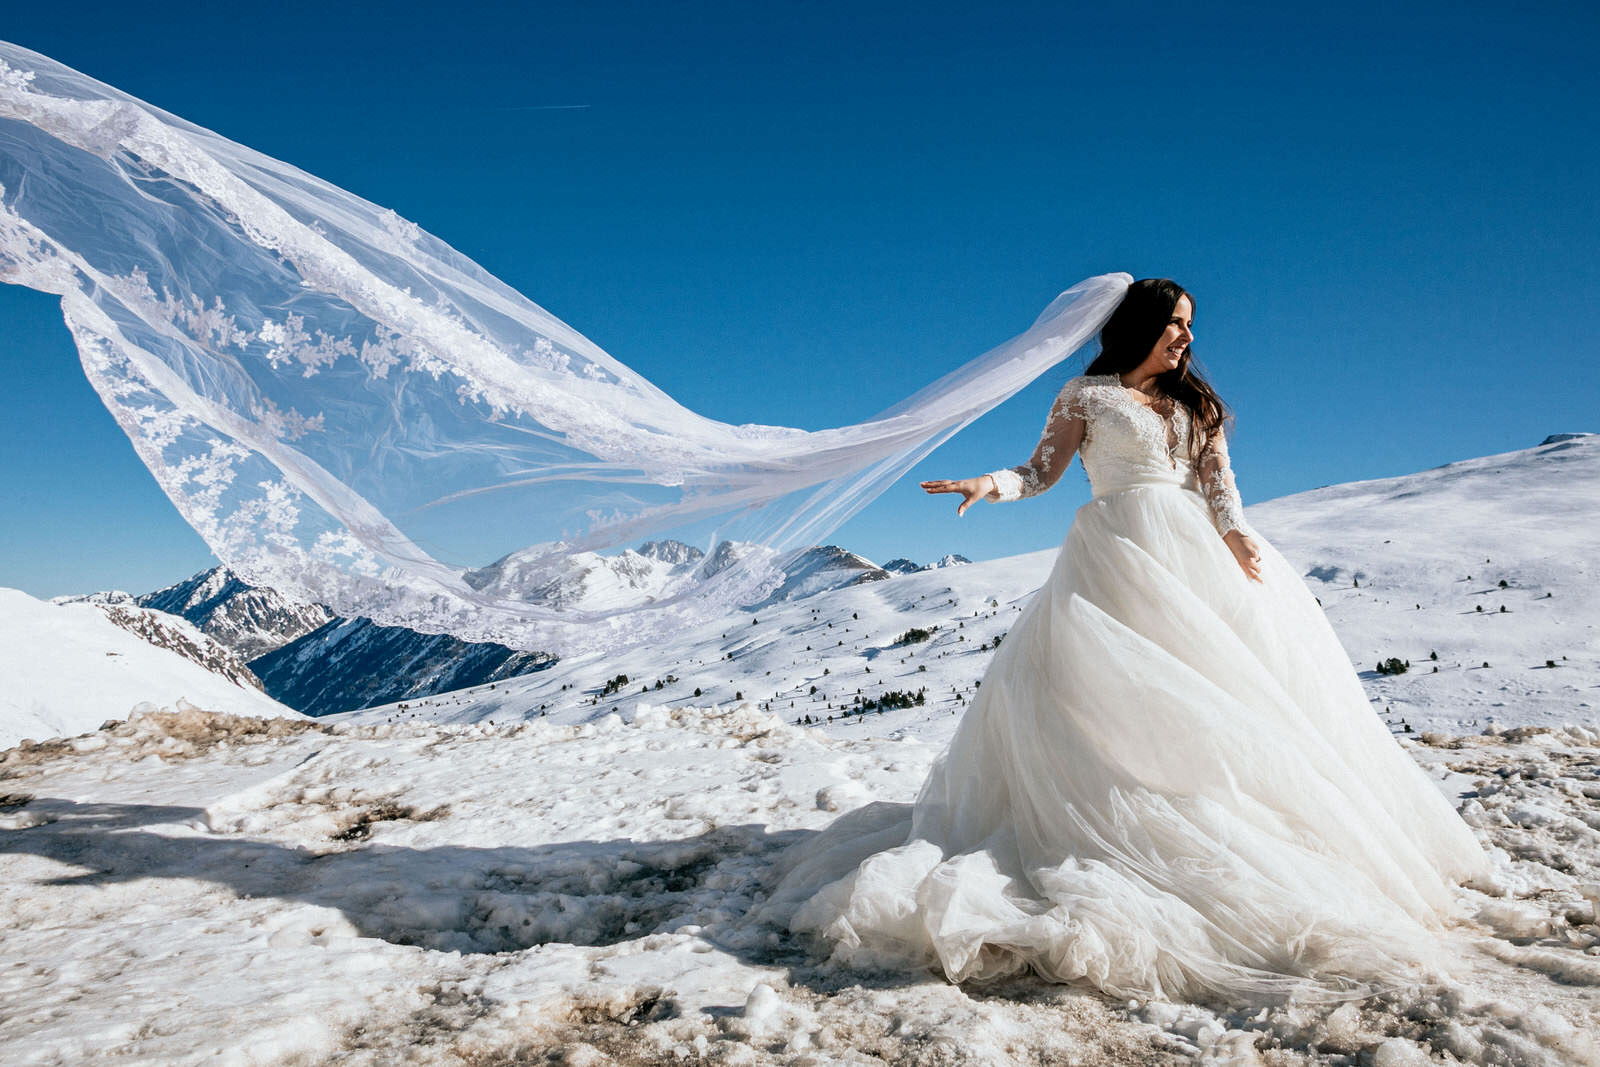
{"x":168,"y":631}
{"x":590,"y":581}
{"x":350,"y":664}
{"x":320,"y":664}
{"x":68,"y":668}
{"x":355,"y":663}
{"x":102,"y":598}
{"x":906,"y":566}
{"x":817,"y":570}
{"x":249,"y":620}
{"x":675,"y":553}
{"x":1489,"y":563}
{"x":183,"y":637}
{"x":1407,"y":541}
{"x":302,"y":654}
{"x":1389,"y":559}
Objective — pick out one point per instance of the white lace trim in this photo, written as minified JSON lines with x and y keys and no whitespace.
{"x":1009,"y":485}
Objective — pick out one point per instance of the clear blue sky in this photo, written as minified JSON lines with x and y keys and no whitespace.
{"x":1388,"y":216}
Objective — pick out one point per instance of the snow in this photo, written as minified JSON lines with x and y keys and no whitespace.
{"x":839,"y":642}
{"x":1389,"y":560}
{"x":252,"y":622}
{"x":187,"y":887}
{"x":590,"y":581}
{"x":68,"y":669}
{"x":1429,"y":549}
{"x":540,"y":871}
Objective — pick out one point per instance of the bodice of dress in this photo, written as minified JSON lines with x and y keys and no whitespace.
{"x":1125,"y":442}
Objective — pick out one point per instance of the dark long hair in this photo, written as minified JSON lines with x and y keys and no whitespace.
{"x":1130,"y":334}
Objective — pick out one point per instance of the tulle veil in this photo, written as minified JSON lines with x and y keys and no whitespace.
{"x":322,"y":388}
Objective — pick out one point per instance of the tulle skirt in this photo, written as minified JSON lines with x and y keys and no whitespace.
{"x":1170,"y":784}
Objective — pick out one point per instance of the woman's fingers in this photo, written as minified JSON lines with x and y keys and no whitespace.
{"x":970,"y":490}
{"x":971,"y":493}
{"x":1247,"y":555}
{"x":1251,"y":565}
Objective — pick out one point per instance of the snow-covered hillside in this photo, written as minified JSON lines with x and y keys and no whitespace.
{"x":591,"y":582}
{"x":519,"y":873}
{"x":353,"y":663}
{"x":1389,"y":560}
{"x":172,"y":632}
{"x":68,"y":668}
{"x":799,"y":657}
{"x":1493,"y":564}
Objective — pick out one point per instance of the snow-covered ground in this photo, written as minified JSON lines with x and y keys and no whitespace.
{"x":518,"y":873}
{"x":188,"y":888}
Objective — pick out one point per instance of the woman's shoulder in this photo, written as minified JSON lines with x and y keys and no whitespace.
{"x":1093,"y":384}
{"x":1087,"y":393}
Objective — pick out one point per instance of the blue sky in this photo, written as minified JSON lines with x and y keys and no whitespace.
{"x":798,"y":214}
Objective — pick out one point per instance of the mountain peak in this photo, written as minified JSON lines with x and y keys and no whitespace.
{"x":104,"y":598}
{"x":673,"y":552}
{"x":248,"y":620}
{"x":906,"y":566}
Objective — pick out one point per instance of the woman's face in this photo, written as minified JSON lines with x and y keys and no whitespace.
{"x":1174,"y":343}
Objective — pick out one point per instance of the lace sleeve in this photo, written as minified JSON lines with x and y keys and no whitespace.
{"x":1063,"y":433}
{"x":1218,"y":486}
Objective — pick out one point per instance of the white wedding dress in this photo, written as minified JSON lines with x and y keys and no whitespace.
{"x":1170,"y":783}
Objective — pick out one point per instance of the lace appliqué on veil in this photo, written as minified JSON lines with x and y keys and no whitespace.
{"x":353,"y":413}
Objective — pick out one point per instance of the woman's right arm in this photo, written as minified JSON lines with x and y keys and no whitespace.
{"x":1063,"y":434}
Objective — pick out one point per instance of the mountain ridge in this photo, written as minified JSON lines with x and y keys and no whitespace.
{"x":1400,"y":566}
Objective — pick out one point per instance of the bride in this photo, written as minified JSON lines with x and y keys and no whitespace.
{"x":1171,"y":783}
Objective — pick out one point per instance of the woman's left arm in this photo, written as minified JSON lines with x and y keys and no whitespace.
{"x":1217,"y":484}
{"x":1064,"y":431}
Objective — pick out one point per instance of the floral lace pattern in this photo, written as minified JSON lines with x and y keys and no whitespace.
{"x":350,"y":411}
{"x":1124,"y":441}
{"x":1218,"y":485}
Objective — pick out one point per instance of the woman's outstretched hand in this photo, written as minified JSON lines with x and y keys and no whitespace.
{"x":1246,"y":552}
{"x":972,"y":490}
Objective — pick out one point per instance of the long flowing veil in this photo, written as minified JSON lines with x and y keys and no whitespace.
{"x":350,"y":411}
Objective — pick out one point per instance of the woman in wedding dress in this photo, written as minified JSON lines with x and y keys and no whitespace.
{"x":1171,"y":783}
